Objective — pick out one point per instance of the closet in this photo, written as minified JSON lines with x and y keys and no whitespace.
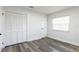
{"x":16,"y":24}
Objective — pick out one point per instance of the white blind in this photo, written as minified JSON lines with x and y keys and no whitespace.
{"x":61,"y":23}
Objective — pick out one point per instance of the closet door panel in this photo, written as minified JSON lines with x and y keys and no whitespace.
{"x":11,"y":28}
{"x":8,"y":39}
{"x":20,"y":28}
{"x":14,"y":38}
{"x":15,"y":28}
{"x":20,"y":37}
{"x":24,"y":28}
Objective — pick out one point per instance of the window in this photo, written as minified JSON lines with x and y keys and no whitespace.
{"x":61,"y":23}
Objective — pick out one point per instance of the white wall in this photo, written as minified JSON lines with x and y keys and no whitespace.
{"x":36,"y":22}
{"x":37,"y":26}
{"x":72,"y":36}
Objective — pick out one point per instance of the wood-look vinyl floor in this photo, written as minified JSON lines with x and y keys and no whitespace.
{"x":42,"y":45}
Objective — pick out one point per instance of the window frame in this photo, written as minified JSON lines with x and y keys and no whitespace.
{"x":61,"y":29}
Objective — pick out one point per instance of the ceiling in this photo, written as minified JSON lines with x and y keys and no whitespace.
{"x":47,"y":9}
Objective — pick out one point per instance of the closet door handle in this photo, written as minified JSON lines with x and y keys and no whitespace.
{"x":0,"y":34}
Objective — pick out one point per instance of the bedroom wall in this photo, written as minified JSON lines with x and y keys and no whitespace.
{"x":71,"y":36}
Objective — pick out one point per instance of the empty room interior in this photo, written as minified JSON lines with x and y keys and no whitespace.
{"x":39,"y":29}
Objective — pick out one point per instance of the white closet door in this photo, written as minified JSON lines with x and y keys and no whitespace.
{"x":15,"y":28}
{"x":20,"y":28}
{"x":8,"y":28}
{"x":24,"y":28}
{"x":11,"y":28}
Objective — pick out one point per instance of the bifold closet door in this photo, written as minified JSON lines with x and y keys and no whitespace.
{"x":15,"y":28}
{"x":21,"y":28}
{"x":2,"y":35}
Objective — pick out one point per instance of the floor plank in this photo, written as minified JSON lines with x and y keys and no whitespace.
{"x":42,"y":45}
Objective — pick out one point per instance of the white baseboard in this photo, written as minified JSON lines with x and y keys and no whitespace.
{"x":70,"y":42}
{"x":35,"y":38}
